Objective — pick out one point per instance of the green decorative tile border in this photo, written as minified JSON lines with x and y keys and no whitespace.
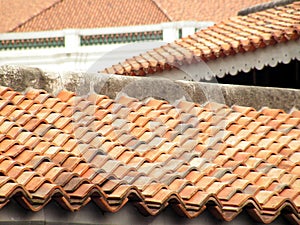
{"x":85,"y":40}
{"x":180,"y":33}
{"x":104,"y":39}
{"x":32,"y":43}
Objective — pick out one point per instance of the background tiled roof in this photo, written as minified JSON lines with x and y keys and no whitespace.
{"x":33,"y":16}
{"x":76,"y":150}
{"x":238,"y":34}
{"x":93,"y":14}
{"x":15,"y":12}
{"x":204,"y":10}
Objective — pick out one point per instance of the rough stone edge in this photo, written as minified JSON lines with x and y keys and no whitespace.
{"x":22,"y":78}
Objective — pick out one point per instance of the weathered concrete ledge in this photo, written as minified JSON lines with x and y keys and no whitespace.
{"x":24,"y":78}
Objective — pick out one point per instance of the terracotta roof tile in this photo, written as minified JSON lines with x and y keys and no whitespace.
{"x":16,"y":12}
{"x":238,"y":34}
{"x":47,"y":151}
{"x":32,"y":16}
{"x":190,"y":9}
{"x":58,"y":16}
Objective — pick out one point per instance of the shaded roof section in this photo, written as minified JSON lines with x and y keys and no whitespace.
{"x":93,"y":14}
{"x":204,"y":10}
{"x":75,"y":150}
{"x":14,"y":13}
{"x":238,"y":34}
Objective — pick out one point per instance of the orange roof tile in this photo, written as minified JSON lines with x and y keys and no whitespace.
{"x":235,"y":35}
{"x":56,"y":14}
{"x":204,"y":10}
{"x":14,"y":13}
{"x":76,"y":150}
{"x":94,"y":14}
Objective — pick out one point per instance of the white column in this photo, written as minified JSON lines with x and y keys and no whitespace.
{"x":69,"y":58}
{"x":72,"y":40}
{"x":187,"y":31}
{"x":170,"y":33}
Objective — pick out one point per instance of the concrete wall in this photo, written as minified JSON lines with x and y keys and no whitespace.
{"x":22,"y":78}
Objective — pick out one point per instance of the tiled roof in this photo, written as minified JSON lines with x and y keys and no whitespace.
{"x":75,"y":150}
{"x":44,"y":15}
{"x":13,"y":13}
{"x":93,"y":14}
{"x":204,"y":10}
{"x":238,"y":34}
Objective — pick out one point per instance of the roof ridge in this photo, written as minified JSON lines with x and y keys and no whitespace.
{"x":164,"y":11}
{"x":264,"y":6}
{"x":39,"y":13}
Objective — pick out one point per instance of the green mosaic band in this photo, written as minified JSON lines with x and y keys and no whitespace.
{"x":32,"y":43}
{"x":104,"y":39}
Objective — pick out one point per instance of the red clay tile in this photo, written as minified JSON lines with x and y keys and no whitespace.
{"x":199,"y":198}
{"x":179,"y":158}
{"x":188,"y":191}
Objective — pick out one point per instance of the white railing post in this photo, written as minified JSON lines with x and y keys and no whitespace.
{"x":170,"y":32}
{"x":72,"y":40}
{"x":72,"y":45}
{"x":188,"y":30}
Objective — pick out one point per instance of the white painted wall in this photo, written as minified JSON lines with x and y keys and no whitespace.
{"x":84,"y":58}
